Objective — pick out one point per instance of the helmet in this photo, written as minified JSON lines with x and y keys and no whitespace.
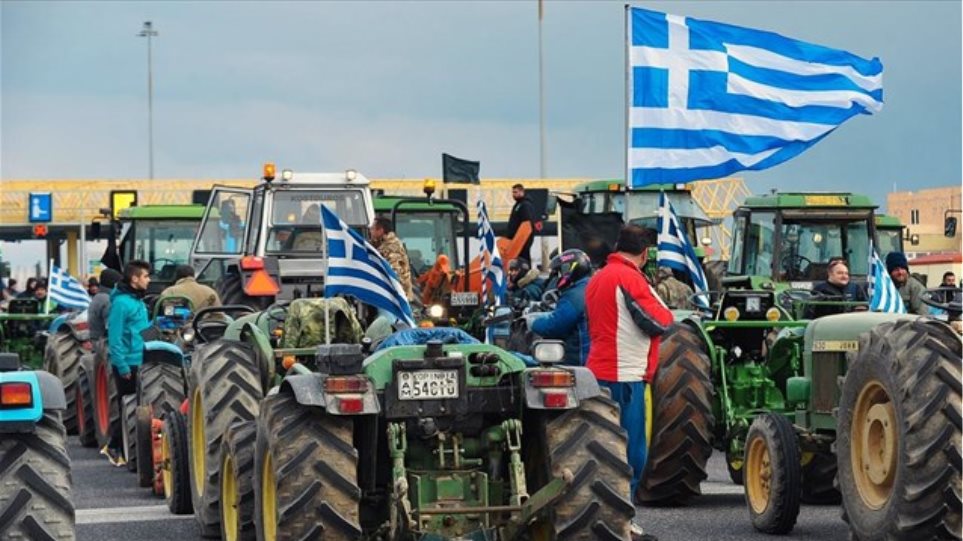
{"x":570,"y":266}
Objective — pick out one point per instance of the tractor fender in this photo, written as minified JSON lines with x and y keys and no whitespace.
{"x":158,"y":351}
{"x":586,"y":386}
{"x":74,"y":322}
{"x":308,"y":390}
{"x":51,"y":391}
{"x":47,"y":393}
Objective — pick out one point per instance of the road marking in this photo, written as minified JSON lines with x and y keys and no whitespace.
{"x":721,"y":488}
{"x":126,"y":514}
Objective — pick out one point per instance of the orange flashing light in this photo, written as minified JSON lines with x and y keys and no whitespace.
{"x":252,"y":262}
{"x":16,"y":394}
{"x":269,"y":171}
{"x":288,"y":361}
{"x":261,"y":285}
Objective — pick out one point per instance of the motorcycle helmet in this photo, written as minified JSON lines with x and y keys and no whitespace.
{"x":570,"y":266}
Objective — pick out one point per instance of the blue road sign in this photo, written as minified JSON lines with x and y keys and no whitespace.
{"x":41,"y":207}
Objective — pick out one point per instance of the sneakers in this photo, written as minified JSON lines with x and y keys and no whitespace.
{"x":114,"y":456}
{"x":639,"y":535}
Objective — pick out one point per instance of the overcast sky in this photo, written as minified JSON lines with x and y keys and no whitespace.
{"x":386,"y":87}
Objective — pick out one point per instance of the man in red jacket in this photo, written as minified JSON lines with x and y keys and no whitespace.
{"x":626,"y":319}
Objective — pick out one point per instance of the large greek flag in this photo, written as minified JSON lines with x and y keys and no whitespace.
{"x":356,"y":268}
{"x":707,"y":99}
{"x":883,"y":294}
{"x":491,"y":262}
{"x":66,"y":290}
{"x":676,"y":252}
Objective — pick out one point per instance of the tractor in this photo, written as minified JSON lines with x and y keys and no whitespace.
{"x":22,"y":330}
{"x":35,"y":483}
{"x":856,"y":407}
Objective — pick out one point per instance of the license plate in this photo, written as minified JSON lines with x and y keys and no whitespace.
{"x":428,"y":385}
{"x":468,"y":298}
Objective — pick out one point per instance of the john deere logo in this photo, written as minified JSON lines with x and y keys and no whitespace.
{"x":836,"y":345}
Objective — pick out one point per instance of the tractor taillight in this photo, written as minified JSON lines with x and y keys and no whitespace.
{"x":81,"y":326}
{"x":16,"y":394}
{"x":250,"y":263}
{"x":552,"y":378}
{"x":345,"y":384}
{"x":555,"y":400}
{"x":350,"y":405}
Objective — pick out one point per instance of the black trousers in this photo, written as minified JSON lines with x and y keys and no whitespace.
{"x":124,"y":388}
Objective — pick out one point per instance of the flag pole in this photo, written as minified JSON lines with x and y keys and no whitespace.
{"x":46,"y":300}
{"x":628,"y":110}
{"x":541,"y":97}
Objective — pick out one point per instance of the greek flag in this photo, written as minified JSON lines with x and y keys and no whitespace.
{"x":676,"y":252}
{"x":356,"y":268}
{"x":66,"y":290}
{"x":883,"y":294}
{"x":491,"y":262}
{"x":707,"y":99}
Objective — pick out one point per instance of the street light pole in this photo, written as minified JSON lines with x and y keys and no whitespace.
{"x":149,"y":32}
{"x":541,"y":97}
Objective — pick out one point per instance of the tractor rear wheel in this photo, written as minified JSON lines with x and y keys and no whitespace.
{"x":305,"y":459}
{"x":83,"y":401}
{"x":104,"y":395}
{"x":898,"y":445}
{"x":225,"y":388}
{"x":237,"y":482}
{"x":230,"y":289}
{"x":682,"y":423}
{"x":62,"y":359}
{"x":145,"y":446}
{"x":590,"y":444}
{"x":160,"y":386}
{"x":35,"y":483}
{"x":128,"y":426}
{"x":772,"y":474}
{"x":175,"y":467}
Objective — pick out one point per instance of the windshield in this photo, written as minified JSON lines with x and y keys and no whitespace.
{"x":164,"y":244}
{"x":890,"y":240}
{"x":635,"y":206}
{"x":295,"y":224}
{"x":425,"y":236}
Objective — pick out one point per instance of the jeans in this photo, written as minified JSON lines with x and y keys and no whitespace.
{"x":631,"y":398}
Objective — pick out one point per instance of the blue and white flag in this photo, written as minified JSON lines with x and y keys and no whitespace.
{"x":66,"y":290}
{"x":676,"y":252}
{"x":708,"y":99}
{"x":883,"y":293}
{"x":491,"y":262}
{"x":356,"y":268}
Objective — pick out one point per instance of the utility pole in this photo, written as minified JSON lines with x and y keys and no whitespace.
{"x":148,"y":32}
{"x":541,"y":97}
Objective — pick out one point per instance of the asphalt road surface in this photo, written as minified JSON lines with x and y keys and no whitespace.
{"x":110,"y":506}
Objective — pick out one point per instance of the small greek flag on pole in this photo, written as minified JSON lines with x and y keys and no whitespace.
{"x":66,"y":290}
{"x":356,"y":268}
{"x":676,"y":252}
{"x":706,"y":99}
{"x":491,"y":262}
{"x":883,"y":294}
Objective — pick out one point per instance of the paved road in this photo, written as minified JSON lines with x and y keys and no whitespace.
{"x":110,"y":506}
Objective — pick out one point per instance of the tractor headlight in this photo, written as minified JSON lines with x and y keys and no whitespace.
{"x":188,"y":335}
{"x":436,"y":311}
{"x":772,"y":314}
{"x":287,"y":175}
{"x":731,"y":313}
{"x":549,"y":351}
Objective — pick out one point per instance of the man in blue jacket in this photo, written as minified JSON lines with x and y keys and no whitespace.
{"x":567,"y":321}
{"x":127,"y":318}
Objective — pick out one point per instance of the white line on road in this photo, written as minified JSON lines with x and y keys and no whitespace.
{"x":721,"y":488}
{"x":126,"y":514}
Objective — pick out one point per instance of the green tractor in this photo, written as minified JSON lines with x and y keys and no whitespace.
{"x":412,"y":439}
{"x":23,"y":328}
{"x":855,"y":407}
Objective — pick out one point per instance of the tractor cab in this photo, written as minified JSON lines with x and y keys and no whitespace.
{"x":160,"y":235}
{"x":890,"y":235}
{"x":266,"y":243}
{"x":789,"y":238}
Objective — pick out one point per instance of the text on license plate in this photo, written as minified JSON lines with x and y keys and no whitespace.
{"x":469,"y":298}
{"x":428,"y":384}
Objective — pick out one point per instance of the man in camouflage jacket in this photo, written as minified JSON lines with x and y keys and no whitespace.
{"x":389,"y":245}
{"x":674,"y":293}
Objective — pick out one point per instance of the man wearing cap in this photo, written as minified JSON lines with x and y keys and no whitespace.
{"x":200,"y":295}
{"x":910,"y":289}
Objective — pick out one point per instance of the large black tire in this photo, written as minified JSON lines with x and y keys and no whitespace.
{"x":176,"y":464}
{"x":103,"y":392}
{"x":772,"y":475}
{"x":590,"y":444}
{"x":308,"y":458}
{"x":230,"y":289}
{"x":128,"y":426}
{"x":35,"y":483}
{"x":225,"y":388}
{"x":83,"y":401}
{"x":819,"y":480}
{"x":160,"y":386}
{"x":62,"y":359}
{"x":901,"y":397}
{"x":237,"y":482}
{"x":682,"y":423}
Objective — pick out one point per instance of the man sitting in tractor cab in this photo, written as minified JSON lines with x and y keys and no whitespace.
{"x":837,"y":287}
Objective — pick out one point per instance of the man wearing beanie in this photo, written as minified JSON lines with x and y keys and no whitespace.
{"x":99,"y":307}
{"x":910,"y":289}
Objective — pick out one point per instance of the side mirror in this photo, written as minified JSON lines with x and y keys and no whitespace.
{"x":949,"y":226}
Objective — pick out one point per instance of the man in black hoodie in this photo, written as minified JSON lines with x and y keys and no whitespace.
{"x":522,"y":212}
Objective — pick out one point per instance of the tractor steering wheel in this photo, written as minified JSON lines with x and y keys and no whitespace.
{"x":792,"y":264}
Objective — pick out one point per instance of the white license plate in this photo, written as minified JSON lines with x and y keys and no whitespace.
{"x":428,"y":385}
{"x":468,"y":298}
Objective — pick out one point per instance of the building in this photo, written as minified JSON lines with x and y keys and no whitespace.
{"x":923,"y":213}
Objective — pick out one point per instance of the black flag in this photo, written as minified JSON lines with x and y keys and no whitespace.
{"x":459,"y":170}
{"x":111,"y":257}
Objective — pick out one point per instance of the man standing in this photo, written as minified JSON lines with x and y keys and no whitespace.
{"x":523,"y":211}
{"x":626,"y":319}
{"x":910,"y":289}
{"x":673,"y":292}
{"x":128,"y":317}
{"x":99,"y":309}
{"x":185,"y":285}
{"x":389,"y":246}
